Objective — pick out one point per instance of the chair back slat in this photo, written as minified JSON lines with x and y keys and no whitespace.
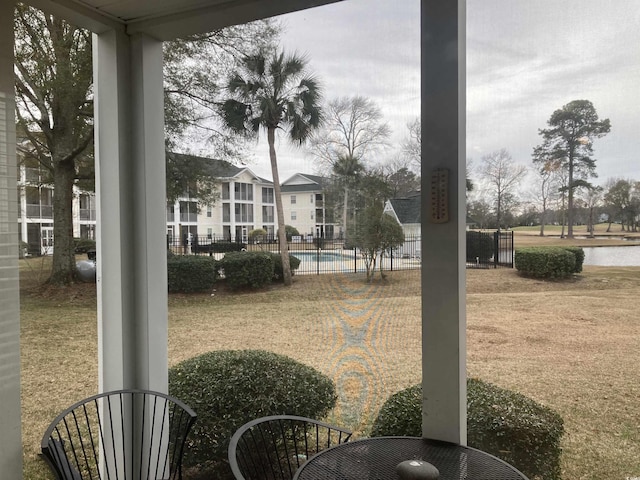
{"x":274,"y":447}
{"x":119,"y":435}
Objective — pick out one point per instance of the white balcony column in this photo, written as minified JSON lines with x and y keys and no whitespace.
{"x":10,"y":432}
{"x":131,"y":212}
{"x":443,"y":244}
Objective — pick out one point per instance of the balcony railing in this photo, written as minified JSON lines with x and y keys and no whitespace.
{"x":39,"y":211}
{"x":188,"y":217}
{"x":87,"y":214}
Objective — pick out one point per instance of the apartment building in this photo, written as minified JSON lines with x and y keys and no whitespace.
{"x":246,"y":202}
{"x":305,"y":207}
{"x":35,"y":216}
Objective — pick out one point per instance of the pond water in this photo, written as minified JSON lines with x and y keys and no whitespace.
{"x":612,"y":256}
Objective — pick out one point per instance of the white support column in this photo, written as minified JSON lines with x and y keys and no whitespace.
{"x":11,"y":450}
{"x":443,"y":244}
{"x":131,"y":211}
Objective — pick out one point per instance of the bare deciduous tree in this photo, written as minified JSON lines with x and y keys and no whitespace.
{"x":353,"y":131}
{"x":412,"y":146}
{"x":503,"y":176}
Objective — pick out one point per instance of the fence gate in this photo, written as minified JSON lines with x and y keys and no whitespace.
{"x":503,"y":248}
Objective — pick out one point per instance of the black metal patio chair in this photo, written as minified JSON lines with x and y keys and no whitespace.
{"x":119,"y":435}
{"x":274,"y":447}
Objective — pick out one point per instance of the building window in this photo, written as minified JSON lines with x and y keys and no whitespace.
{"x":293,"y":216}
{"x":267,"y":214}
{"x":244,"y":212}
{"x":188,"y":211}
{"x":311,"y":215}
{"x":209,"y":233}
{"x":293,"y":199}
{"x":267,"y":195}
{"x":87,"y":208}
{"x":243,"y":191}
{"x":225,"y":191}
{"x":209,"y":211}
{"x":312,"y":198}
{"x":226,"y":212}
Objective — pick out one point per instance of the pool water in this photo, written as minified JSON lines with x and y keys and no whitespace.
{"x":323,"y":256}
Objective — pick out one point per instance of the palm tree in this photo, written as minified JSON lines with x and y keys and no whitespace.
{"x":273,"y":91}
{"x":348,"y":168}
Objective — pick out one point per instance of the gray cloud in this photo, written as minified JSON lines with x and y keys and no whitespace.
{"x":525,"y":59}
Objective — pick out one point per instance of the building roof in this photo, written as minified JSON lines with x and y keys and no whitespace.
{"x":407,"y":209}
{"x":220,"y":168}
{"x":303,"y":182}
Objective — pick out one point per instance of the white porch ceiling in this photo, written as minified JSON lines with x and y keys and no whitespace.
{"x":169,"y":19}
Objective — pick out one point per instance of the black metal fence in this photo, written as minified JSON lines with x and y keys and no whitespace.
{"x":322,"y":255}
{"x":490,"y":249}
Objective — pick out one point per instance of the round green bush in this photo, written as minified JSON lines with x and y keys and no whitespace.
{"x":231,"y":387}
{"x":504,"y":423}
{"x":82,"y":245}
{"x":191,"y":273}
{"x":480,"y":246}
{"x":247,"y":269}
{"x":278,"y":274}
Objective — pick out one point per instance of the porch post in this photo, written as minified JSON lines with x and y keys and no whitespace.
{"x":11,"y":451}
{"x":443,"y":239}
{"x":131,"y":211}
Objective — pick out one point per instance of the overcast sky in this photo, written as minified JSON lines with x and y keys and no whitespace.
{"x":525,"y":59}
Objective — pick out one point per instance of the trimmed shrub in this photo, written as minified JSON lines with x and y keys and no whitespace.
{"x":291,"y":231}
{"x":501,"y":422}
{"x":247,"y":269}
{"x":82,"y":245}
{"x":189,"y":274}
{"x":229,"y":388}
{"x":294,"y":263}
{"x":257,"y":235}
{"x":480,"y":246}
{"x":545,"y":262}
{"x":577,"y":252}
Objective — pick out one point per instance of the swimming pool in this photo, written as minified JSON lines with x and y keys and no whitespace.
{"x":323,"y":261}
{"x":324,"y":256}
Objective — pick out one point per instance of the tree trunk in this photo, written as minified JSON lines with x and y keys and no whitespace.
{"x":282,"y":234}
{"x":64,"y":263}
{"x":345,"y":209}
{"x":570,"y":198}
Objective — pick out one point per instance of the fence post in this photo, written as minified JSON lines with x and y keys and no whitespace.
{"x":513,"y":252}
{"x":496,"y":248}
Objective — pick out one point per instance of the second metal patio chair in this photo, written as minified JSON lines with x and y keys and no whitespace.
{"x":123,"y":435}
{"x":273,"y":448}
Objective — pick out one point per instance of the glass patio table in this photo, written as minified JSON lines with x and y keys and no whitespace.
{"x":376,"y":459}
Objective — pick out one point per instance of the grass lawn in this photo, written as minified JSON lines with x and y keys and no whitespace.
{"x":572,"y":345}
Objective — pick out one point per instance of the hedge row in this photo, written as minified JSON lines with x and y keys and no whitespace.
{"x":218,"y":247}
{"x":549,"y":262}
{"x":192,"y":273}
{"x":504,"y":423}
